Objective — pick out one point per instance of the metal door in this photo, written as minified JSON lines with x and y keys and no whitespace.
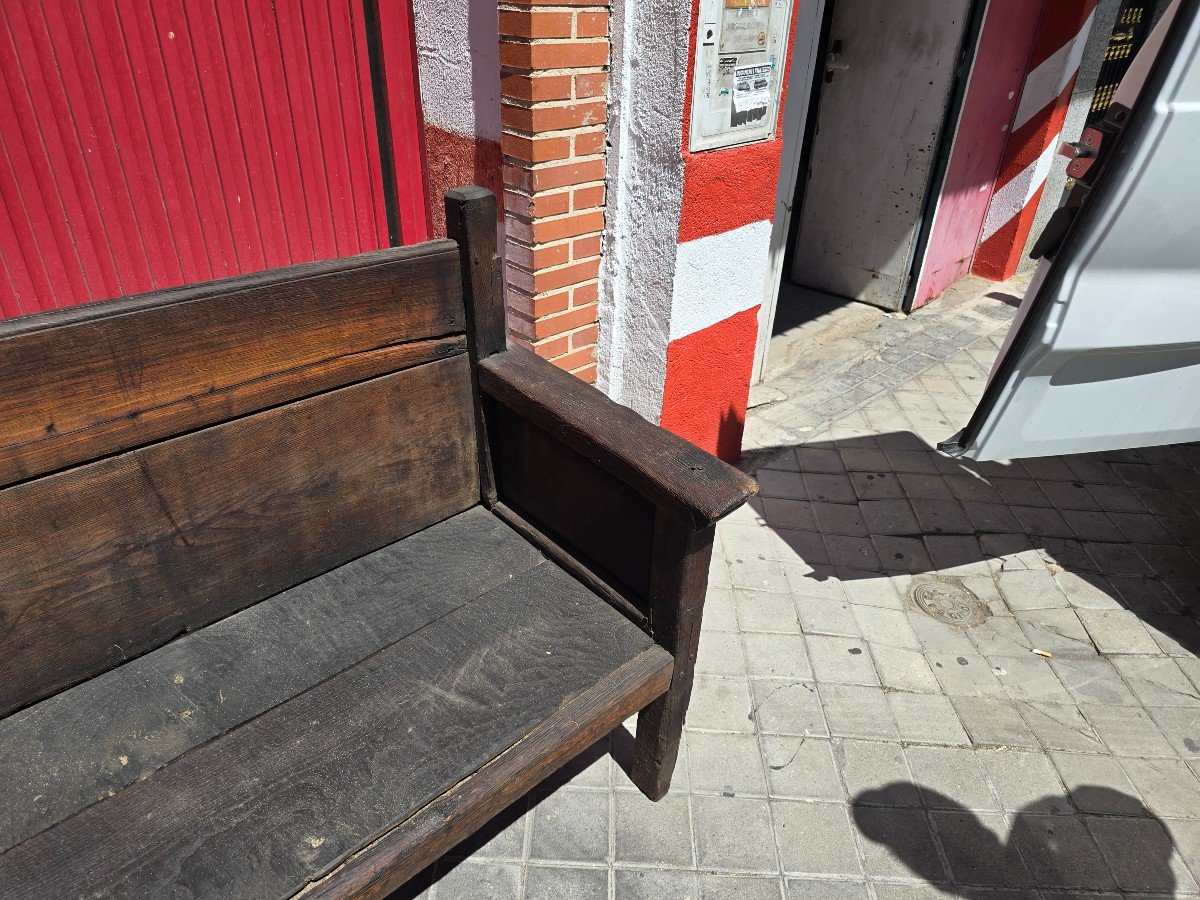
{"x":151,"y":144}
{"x":1105,"y":352}
{"x":887,"y":82}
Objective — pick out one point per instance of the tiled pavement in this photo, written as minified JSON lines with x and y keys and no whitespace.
{"x":843,"y":743}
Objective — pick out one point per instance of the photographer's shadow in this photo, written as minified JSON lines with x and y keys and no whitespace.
{"x":1045,"y":845}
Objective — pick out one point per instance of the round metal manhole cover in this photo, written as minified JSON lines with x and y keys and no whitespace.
{"x":952,"y":604}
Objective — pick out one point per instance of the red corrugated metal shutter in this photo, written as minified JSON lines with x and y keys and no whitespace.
{"x":151,"y":143}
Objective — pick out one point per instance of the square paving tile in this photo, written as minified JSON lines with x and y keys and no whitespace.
{"x":1060,"y":852}
{"x":733,"y":834}
{"x":571,"y":826}
{"x":777,"y":656}
{"x":978,"y":849}
{"x":1025,"y":782}
{"x":950,"y":778}
{"x":827,"y":617}
{"x":729,"y":764}
{"x":544,"y":883}
{"x":739,"y":887}
{"x":788,"y":707}
{"x":1117,"y":631}
{"x":815,"y":838}
{"x":927,"y":718}
{"x":875,"y":773}
{"x":654,"y":884}
{"x":1141,"y":855}
{"x":901,"y":669}
{"x":1097,"y":784}
{"x":841,"y":660}
{"x":801,"y":769}
{"x":720,"y":704}
{"x":856,"y":711}
{"x":653,"y":833}
{"x":897,"y":843}
{"x":994,"y":723}
{"x":763,"y":611}
{"x":1167,"y":786}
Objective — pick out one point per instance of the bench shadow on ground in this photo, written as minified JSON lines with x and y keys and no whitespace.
{"x":1044,"y":845}
{"x":884,"y":505}
{"x":500,"y":839}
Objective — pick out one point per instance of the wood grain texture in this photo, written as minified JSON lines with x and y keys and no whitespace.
{"x":74,"y":749}
{"x":679,"y":584}
{"x":666,"y":469}
{"x":438,"y":827}
{"x":106,"y":561}
{"x":471,"y":222}
{"x":81,"y":383}
{"x":286,"y":798}
{"x":606,"y":524}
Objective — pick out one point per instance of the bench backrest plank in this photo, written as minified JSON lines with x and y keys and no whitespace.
{"x":80,"y":383}
{"x":207,"y":509}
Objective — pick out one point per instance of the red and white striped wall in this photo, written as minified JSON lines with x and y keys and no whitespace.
{"x":686,"y":253}
{"x":458,"y":58}
{"x":1034,"y":135}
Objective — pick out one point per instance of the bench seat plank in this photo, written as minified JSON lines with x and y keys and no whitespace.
{"x":287,"y":797}
{"x":76,"y":748}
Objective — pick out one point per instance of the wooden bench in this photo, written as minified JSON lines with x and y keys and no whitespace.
{"x":304,"y":577}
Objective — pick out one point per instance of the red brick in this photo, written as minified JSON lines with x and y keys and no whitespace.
{"x":586,"y":293}
{"x":588,"y":374}
{"x":553,"y":279}
{"x":564,"y":322}
{"x":555,"y":346}
{"x":553,"y":55}
{"x":535,"y":149}
{"x":576,"y":359}
{"x":589,"y":143}
{"x":591,"y":24}
{"x":536,"y":307}
{"x":547,"y":230}
{"x":553,"y":118}
{"x":537,"y":87}
{"x":539,"y":257}
{"x":585,"y":336}
{"x":584,"y":247}
{"x":540,"y":24}
{"x":545,"y":178}
{"x":591,"y":84}
{"x":589,"y":197}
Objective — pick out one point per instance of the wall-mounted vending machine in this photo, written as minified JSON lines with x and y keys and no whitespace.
{"x":741,"y":54}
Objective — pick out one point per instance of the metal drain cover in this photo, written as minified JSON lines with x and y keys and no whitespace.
{"x":950,"y":603}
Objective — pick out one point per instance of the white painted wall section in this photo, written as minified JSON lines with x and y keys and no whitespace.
{"x":719,"y":276}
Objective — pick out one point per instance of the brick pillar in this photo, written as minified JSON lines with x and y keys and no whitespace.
{"x":553,"y":87}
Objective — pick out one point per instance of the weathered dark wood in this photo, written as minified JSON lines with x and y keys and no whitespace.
{"x":113,"y":558}
{"x":680,"y":580}
{"x":606,"y":523}
{"x":439,"y":827}
{"x":666,"y":469}
{"x":570,"y":562}
{"x":73,"y":749}
{"x":471,"y":222}
{"x":80,"y":383}
{"x":287,"y":797}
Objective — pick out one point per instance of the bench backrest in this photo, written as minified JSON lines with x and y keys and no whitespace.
{"x":166,"y":460}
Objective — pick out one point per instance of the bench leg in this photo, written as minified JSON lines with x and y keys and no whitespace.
{"x":679,"y":580}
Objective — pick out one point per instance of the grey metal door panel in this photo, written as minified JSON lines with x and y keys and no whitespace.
{"x":1106,"y":351}
{"x":877,"y":133}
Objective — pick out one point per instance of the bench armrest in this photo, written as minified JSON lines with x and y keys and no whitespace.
{"x":664,"y":468}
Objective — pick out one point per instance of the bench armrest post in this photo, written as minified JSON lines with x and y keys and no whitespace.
{"x":678,"y":583}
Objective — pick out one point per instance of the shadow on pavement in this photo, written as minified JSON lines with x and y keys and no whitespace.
{"x":1096,"y":532}
{"x":1039,"y":846}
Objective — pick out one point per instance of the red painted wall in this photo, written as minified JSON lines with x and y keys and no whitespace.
{"x":148,"y":145}
{"x":1001,"y":61}
{"x":708,"y":381}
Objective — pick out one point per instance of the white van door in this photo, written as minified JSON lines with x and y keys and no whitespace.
{"x":1105,"y":351}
